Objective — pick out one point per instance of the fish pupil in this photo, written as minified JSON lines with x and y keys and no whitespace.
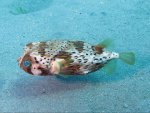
{"x":26,"y":63}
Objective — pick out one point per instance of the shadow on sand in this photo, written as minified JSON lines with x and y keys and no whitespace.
{"x":39,"y":85}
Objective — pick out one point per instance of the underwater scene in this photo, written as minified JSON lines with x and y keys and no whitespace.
{"x":121,"y":26}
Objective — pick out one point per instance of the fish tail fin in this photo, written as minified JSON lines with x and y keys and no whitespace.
{"x":127,"y":57}
{"x":110,"y":67}
{"x":106,"y":43}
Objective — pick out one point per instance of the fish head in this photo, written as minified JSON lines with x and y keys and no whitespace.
{"x":28,"y":63}
{"x":25,"y":63}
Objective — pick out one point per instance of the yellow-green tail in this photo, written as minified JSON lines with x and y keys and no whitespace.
{"x":127,"y":57}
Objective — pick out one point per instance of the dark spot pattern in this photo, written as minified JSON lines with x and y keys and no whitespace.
{"x":37,"y":62}
{"x":85,"y":61}
{"x":75,"y":57}
{"x":95,"y":59}
{"x":105,"y":57}
{"x":79,"y":45}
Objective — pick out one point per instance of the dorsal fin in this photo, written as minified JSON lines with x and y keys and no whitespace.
{"x":106,"y":43}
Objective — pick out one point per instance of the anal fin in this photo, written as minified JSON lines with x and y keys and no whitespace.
{"x":110,"y":67}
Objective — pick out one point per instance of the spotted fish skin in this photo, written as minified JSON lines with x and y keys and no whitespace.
{"x":64,"y":57}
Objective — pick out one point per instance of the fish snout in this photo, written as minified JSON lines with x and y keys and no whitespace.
{"x":19,"y":60}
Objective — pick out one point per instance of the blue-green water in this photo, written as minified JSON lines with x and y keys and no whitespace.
{"x":127,"y":22}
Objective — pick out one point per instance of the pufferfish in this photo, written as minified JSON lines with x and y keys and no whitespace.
{"x":64,"y":57}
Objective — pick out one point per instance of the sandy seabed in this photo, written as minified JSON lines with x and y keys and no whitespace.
{"x":127,"y":22}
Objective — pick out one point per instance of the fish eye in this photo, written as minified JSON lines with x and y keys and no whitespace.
{"x":26,"y":63}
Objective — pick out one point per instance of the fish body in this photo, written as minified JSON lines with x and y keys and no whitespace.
{"x":65,"y":57}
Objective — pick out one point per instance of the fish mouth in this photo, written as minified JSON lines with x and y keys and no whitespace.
{"x":19,"y":61}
